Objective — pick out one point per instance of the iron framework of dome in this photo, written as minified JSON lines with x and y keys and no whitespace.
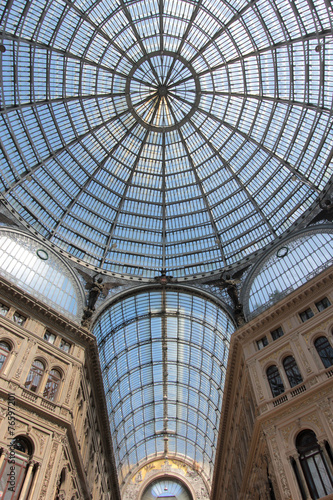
{"x":174,"y":136}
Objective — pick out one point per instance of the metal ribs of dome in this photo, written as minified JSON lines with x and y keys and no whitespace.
{"x":170,"y":135}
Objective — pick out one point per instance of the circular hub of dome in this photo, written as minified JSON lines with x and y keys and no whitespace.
{"x":162,"y":91}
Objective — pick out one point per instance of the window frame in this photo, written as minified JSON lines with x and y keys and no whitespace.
{"x":292,"y":371}
{"x":36,"y":372}
{"x":307,"y":454}
{"x":271,"y":378}
{"x":51,"y":388}
{"x":4,"y":362}
{"x":330,"y":348}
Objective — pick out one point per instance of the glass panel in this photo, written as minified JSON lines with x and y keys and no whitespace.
{"x":65,"y":346}
{"x":34,"y":376}
{"x":163,"y":358}
{"x":48,"y":280}
{"x":275,"y":381}
{"x":52,"y":385}
{"x":288,"y":268}
{"x":4,"y":351}
{"x":292,"y":371}
{"x":325,"y":351}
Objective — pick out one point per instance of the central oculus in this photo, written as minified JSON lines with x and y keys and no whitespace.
{"x":162,"y":91}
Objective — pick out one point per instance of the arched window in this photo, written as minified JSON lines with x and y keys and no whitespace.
{"x":325,"y":351}
{"x":4,"y":351}
{"x":292,"y":371}
{"x":21,"y":444}
{"x":275,"y":380}
{"x":35,"y":375}
{"x":16,"y":482}
{"x":52,"y":385}
{"x":316,"y":471}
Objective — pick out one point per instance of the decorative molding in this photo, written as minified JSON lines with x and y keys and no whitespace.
{"x":48,"y":472}
{"x":24,"y":359}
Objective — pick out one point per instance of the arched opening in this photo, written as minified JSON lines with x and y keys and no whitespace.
{"x":166,"y":489}
{"x":35,"y":376}
{"x":292,"y":371}
{"x":325,"y":351}
{"x":316,"y":470}
{"x":52,"y":385}
{"x":275,"y":380}
{"x":16,"y":472}
{"x":5,"y":349}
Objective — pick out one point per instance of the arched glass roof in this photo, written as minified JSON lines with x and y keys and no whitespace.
{"x":149,"y":135}
{"x":40,"y":272}
{"x":163,"y":357}
{"x":287,"y":267}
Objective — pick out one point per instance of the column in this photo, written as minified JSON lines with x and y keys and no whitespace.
{"x":34,"y":481}
{"x":26,"y":481}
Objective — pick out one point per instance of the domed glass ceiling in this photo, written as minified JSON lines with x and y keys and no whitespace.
{"x":170,"y":135}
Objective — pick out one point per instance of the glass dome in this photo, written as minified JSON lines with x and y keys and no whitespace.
{"x":175,"y":136}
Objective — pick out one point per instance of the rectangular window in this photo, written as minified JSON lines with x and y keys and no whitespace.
{"x":3,"y":310}
{"x":307,"y":314}
{"x":19,"y":319}
{"x":65,"y":346}
{"x":262,"y":342}
{"x":50,"y":337}
{"x":323,"y":304}
{"x":276,"y":334}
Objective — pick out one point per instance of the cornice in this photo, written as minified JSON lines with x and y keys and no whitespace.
{"x":44,"y":312}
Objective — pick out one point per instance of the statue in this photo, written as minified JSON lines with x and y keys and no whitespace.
{"x":95,"y":287}
{"x":164,"y":279}
{"x":230,"y":284}
{"x":326,"y":213}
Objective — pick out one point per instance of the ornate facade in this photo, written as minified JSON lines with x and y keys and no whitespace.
{"x":279,"y":386}
{"x":54,"y":433}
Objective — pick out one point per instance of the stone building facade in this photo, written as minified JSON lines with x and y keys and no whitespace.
{"x":54,"y":435}
{"x":279,"y":390}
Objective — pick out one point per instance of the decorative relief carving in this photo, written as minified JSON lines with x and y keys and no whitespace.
{"x":48,"y":470}
{"x":314,"y":418}
{"x":302,"y":356}
{"x":24,"y":359}
{"x":275,"y":355}
{"x":41,"y":440}
{"x":257,"y":383}
{"x":280,"y":468}
{"x":3,"y":412}
{"x":286,"y":433}
{"x":71,"y":384}
{"x":174,"y":467}
{"x":12,"y":386}
{"x":325,"y":407}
